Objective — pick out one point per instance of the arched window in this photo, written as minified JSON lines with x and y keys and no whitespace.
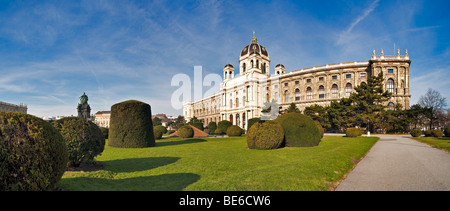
{"x":297,"y":94}
{"x":321,"y":91}
{"x":257,"y":63}
{"x":391,"y":106}
{"x":231,"y":118}
{"x":276,"y":96}
{"x":237,"y":102}
{"x":308,"y":93}
{"x":244,"y":67}
{"x":348,"y":89}
{"x":335,"y":91}
{"x":251,"y":62}
{"x":231,"y":103}
{"x":263,"y":68}
{"x":243,"y":101}
{"x":286,"y":96}
{"x":267,"y":97}
{"x":390,"y":85}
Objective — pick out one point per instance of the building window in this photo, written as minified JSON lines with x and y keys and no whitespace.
{"x":390,"y":70}
{"x":363,"y":75}
{"x":237,"y":102}
{"x":276,"y":96}
{"x":308,"y":80}
{"x":251,"y":63}
{"x":286,"y":96}
{"x":390,"y":85}
{"x":297,"y":94}
{"x":257,"y":63}
{"x":231,"y":103}
{"x":297,"y":82}
{"x":320,"y":78}
{"x":334,"y":77}
{"x":308,"y":93}
{"x":334,"y":91}
{"x":348,"y":75}
{"x":286,"y":84}
{"x":243,"y":67}
{"x":348,"y":89}
{"x":264,"y":68}
{"x":391,"y":106}
{"x":321,"y":92}
{"x":243,"y":101}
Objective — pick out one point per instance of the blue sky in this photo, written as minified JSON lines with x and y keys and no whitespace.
{"x":53,"y":51}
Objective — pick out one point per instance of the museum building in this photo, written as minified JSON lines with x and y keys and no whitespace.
{"x":242,"y":95}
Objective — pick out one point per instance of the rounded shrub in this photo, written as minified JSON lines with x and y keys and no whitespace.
{"x":158,"y":132}
{"x":437,"y":133}
{"x":223,"y":125}
{"x":416,"y":132}
{"x":33,"y":155}
{"x":299,"y":130}
{"x":198,"y":125}
{"x":131,"y":125}
{"x":218,"y":131}
{"x":447,"y":131}
{"x":252,"y":121}
{"x":234,"y":130}
{"x":321,"y":130}
{"x":353,"y":132}
{"x":161,"y":128}
{"x":186,"y":132}
{"x":265,"y":135}
{"x":84,"y":140}
{"x":212,"y":126}
{"x":427,"y":133}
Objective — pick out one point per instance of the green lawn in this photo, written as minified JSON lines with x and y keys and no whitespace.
{"x":222,"y":164}
{"x":440,"y":143}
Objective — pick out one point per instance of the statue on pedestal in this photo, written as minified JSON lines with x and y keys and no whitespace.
{"x":84,"y":110}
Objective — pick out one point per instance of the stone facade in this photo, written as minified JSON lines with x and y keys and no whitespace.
{"x":241,"y":97}
{"x":13,"y":108}
{"x":102,"y":118}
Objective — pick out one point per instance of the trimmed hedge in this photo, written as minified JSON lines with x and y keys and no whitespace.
{"x":447,"y":131}
{"x":161,"y":128}
{"x":84,"y":139}
{"x":321,"y":130}
{"x":105,"y":132}
{"x":253,"y":121}
{"x":234,"y":130}
{"x":437,"y":133}
{"x":218,"y":131}
{"x":299,"y":130}
{"x":198,"y":125}
{"x":353,"y":132}
{"x":33,"y":154}
{"x":265,"y":135}
{"x":131,"y":125}
{"x":416,"y":132}
{"x":212,"y":126}
{"x":427,"y":133}
{"x":186,"y":132}
{"x":223,"y":125}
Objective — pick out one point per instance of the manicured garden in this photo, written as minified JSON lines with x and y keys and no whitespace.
{"x":221,"y":164}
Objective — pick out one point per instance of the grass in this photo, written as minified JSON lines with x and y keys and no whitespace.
{"x":440,"y":143}
{"x":222,"y":164}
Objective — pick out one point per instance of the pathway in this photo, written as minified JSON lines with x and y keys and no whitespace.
{"x":399,"y":163}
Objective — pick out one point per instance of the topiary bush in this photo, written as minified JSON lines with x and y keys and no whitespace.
{"x":212,"y":126}
{"x":253,"y":121}
{"x":218,"y":131}
{"x":299,"y":130}
{"x":321,"y":130}
{"x":447,"y":131}
{"x":427,"y":133}
{"x":158,"y":132}
{"x":234,"y":130}
{"x":33,"y":155}
{"x":186,"y":132}
{"x":353,"y":132}
{"x":105,"y":132}
{"x":131,"y":125}
{"x":223,"y":125}
{"x":416,"y":132}
{"x":437,"y":133}
{"x":84,"y":140}
{"x":265,"y":135}
{"x":198,"y":125}
{"x":161,"y":128}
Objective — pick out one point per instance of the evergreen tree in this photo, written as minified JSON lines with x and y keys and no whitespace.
{"x":293,"y":108}
{"x":368,"y":100}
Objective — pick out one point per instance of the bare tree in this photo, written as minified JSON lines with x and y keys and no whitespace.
{"x":433,"y":103}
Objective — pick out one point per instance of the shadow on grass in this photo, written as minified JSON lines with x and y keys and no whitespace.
{"x":137,"y":164}
{"x":168,"y":142}
{"x":164,"y":182}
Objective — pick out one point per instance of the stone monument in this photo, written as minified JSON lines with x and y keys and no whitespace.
{"x":84,"y":110}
